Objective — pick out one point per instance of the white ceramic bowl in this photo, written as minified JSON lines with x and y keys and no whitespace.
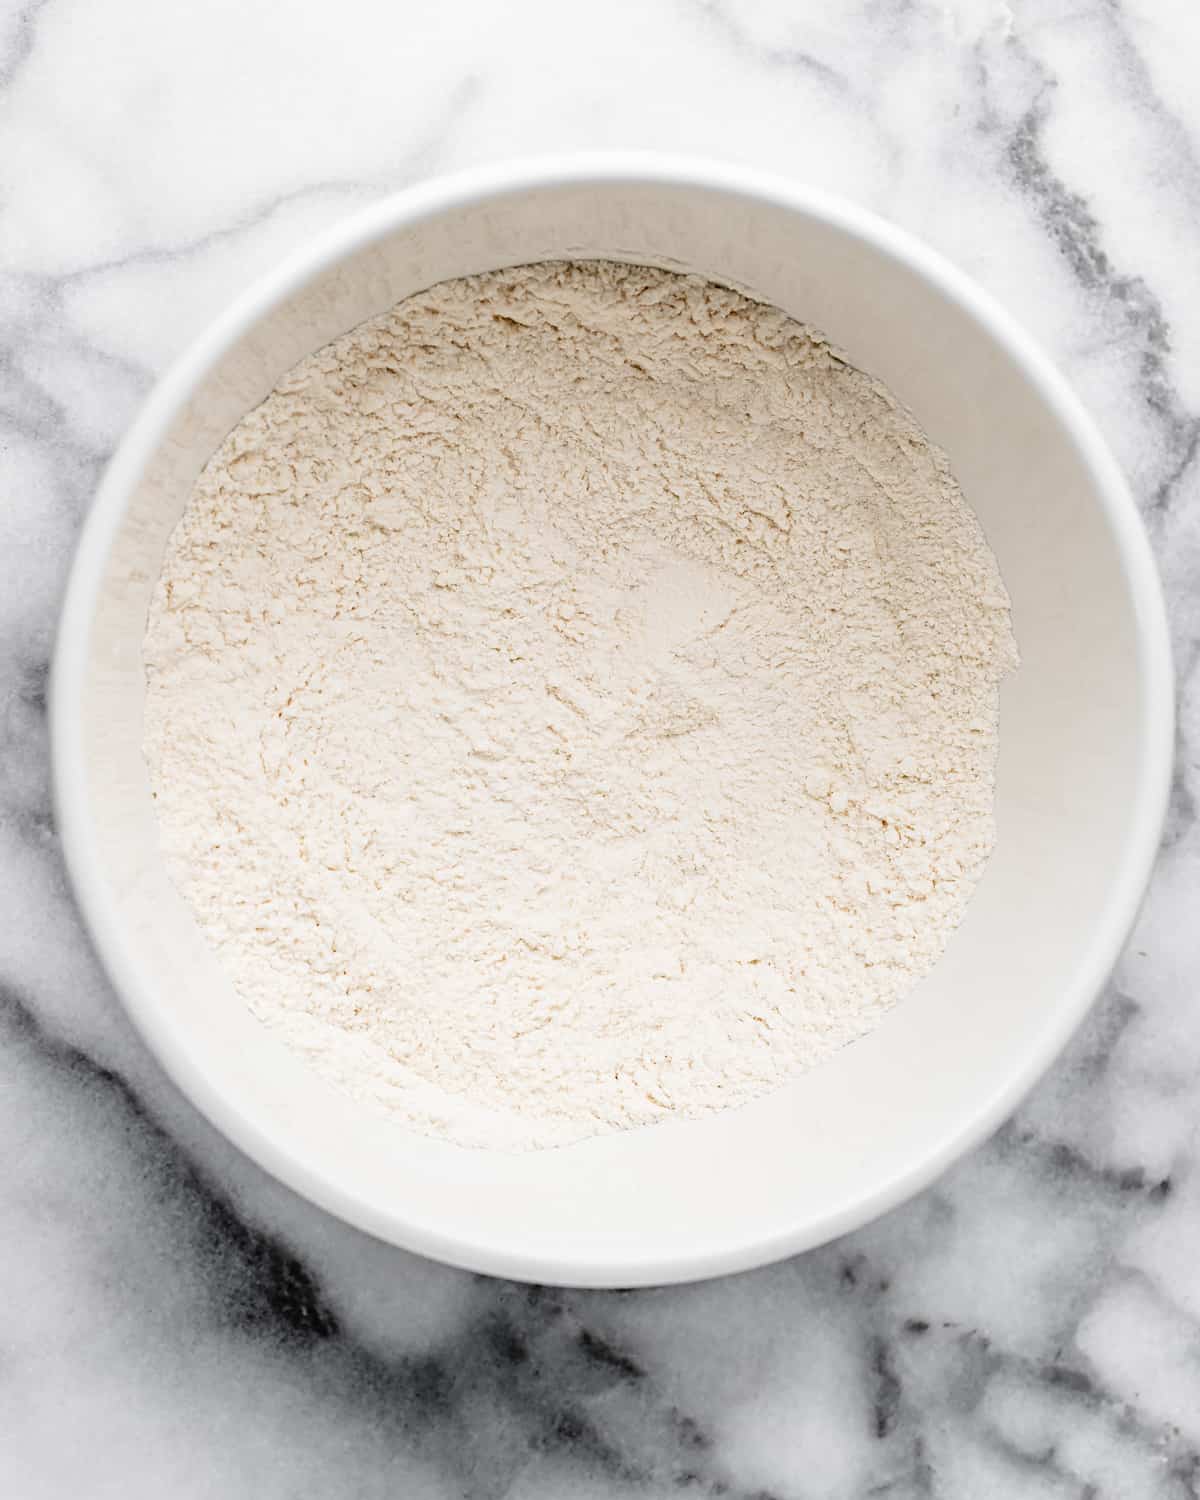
{"x":1084,"y":765}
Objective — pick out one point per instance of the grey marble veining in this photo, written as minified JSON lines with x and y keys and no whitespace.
{"x":174,"y":1323}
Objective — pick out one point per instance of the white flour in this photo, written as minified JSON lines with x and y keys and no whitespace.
{"x":572,"y":702}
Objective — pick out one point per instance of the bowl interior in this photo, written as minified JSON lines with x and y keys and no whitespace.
{"x":1077,"y":732}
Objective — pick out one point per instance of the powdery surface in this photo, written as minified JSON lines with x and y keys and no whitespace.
{"x":572,"y":702}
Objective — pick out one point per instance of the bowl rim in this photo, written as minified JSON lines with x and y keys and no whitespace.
{"x":102,"y":920}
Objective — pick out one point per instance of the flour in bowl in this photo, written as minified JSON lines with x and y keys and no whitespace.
{"x":572,"y":704}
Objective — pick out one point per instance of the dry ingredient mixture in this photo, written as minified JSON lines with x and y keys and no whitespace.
{"x":572,"y":703}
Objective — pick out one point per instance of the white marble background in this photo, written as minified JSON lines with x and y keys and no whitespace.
{"x":172,"y":1323}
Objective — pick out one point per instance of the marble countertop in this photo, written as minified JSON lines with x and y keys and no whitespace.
{"x":172,"y":1322}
